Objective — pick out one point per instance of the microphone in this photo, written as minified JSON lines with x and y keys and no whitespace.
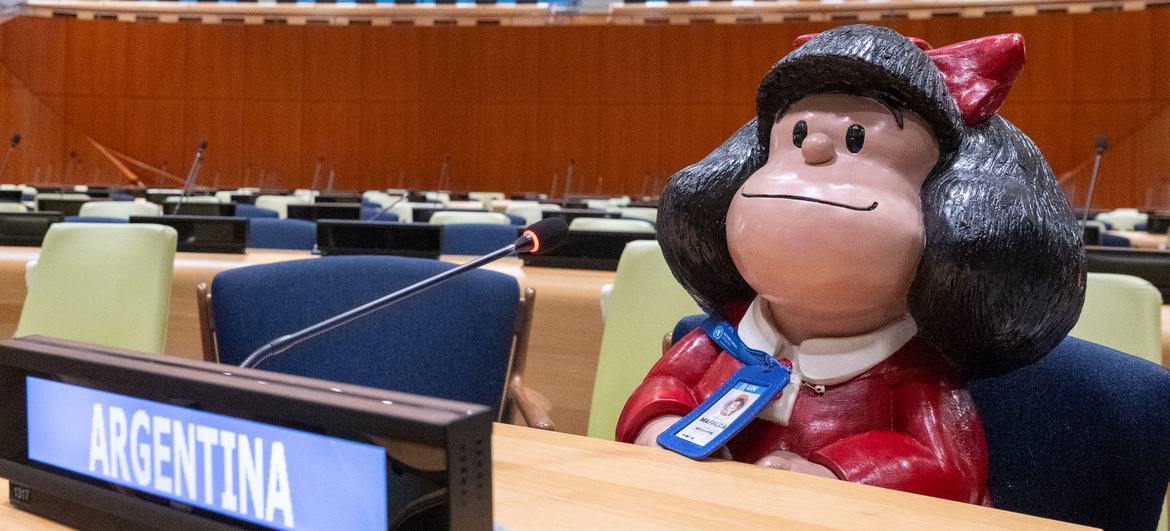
{"x":539,"y":237}
{"x":568,"y":183}
{"x":191,"y":174}
{"x":1101,"y":146}
{"x":332,"y":176}
{"x":383,"y":210}
{"x":317,"y":173}
{"x":15,"y":141}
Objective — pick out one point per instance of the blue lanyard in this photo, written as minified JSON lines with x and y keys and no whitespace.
{"x":728,"y":339}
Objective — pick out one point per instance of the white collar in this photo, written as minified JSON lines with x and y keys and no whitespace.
{"x":827,"y":361}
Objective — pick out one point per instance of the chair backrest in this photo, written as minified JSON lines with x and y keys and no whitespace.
{"x":476,"y":238}
{"x":55,"y":195}
{"x":201,"y":199}
{"x":274,"y":233}
{"x":1113,"y":240}
{"x":529,"y":210}
{"x":611,"y":225}
{"x":376,"y":213}
{"x":1123,"y":313}
{"x":1079,"y":436}
{"x":117,"y":209}
{"x":444,"y":217}
{"x":643,"y":213}
{"x":280,"y":203}
{"x":12,"y":208}
{"x":1123,"y":218}
{"x":452,"y":341}
{"x":599,"y":204}
{"x":486,"y":196}
{"x":245,"y":210}
{"x":79,"y":219}
{"x":645,"y":303}
{"x":107,"y":284}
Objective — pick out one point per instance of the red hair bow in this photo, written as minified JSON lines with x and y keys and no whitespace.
{"x":978,"y":73}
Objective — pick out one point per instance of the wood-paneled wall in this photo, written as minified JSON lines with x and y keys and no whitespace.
{"x":511,"y":105}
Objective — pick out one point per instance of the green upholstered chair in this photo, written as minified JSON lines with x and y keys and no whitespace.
{"x":646,"y":213}
{"x":117,"y":209}
{"x":106,"y":284}
{"x":529,"y":210}
{"x":456,"y":218}
{"x":280,"y":203}
{"x":645,"y":304}
{"x":12,"y":208}
{"x":486,"y":197}
{"x":611,"y":225}
{"x":1123,"y":313}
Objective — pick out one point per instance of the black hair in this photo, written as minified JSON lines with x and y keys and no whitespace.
{"x":1002,"y":274}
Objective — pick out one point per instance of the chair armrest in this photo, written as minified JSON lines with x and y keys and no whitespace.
{"x":534,"y":407}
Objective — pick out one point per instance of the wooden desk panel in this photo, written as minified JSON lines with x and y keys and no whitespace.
{"x":563,"y":346}
{"x":544,"y":480}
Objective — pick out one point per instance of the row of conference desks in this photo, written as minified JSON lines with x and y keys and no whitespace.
{"x":544,"y":480}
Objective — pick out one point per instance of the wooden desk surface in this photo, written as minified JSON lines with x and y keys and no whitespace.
{"x":563,"y":345}
{"x":546,"y":480}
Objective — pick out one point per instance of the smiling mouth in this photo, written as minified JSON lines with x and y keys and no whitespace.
{"x":810,"y":200}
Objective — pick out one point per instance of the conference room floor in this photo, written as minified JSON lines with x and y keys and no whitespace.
{"x":563,"y":345}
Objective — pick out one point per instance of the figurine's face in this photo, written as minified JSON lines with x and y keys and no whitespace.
{"x":831,"y":226}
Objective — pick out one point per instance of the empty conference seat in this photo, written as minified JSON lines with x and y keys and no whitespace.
{"x":646,"y":301}
{"x":12,"y":208}
{"x":117,"y":209}
{"x":201,"y":199}
{"x":611,"y":225}
{"x":274,"y":233}
{"x":1123,"y":218}
{"x":449,"y":218}
{"x":250,"y":211}
{"x":476,"y":238}
{"x":1124,"y":313}
{"x":452,"y":341}
{"x":377,"y":213}
{"x":95,"y":219}
{"x":107,"y":284}
{"x":529,"y":210}
{"x":642,"y":213}
{"x":280,"y":203}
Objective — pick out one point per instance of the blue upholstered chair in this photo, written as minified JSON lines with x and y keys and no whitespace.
{"x":1113,"y":240}
{"x":80,"y":219}
{"x":368,"y":213}
{"x":252,"y":211}
{"x":517,"y":219}
{"x":1083,"y":435}
{"x":476,"y":238}
{"x":454,"y":341}
{"x":274,"y":233}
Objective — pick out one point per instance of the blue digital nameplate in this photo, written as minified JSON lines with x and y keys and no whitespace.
{"x":264,"y":474}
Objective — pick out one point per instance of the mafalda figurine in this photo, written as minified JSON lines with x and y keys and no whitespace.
{"x":877,"y":235}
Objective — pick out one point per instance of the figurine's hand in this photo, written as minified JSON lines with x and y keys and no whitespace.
{"x":649,"y":434}
{"x":784,"y":460}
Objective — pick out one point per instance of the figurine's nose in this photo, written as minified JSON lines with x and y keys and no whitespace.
{"x":817,"y":149}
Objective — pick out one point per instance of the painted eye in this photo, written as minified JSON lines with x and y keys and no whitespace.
{"x":799,"y":131}
{"x":855,"y":138}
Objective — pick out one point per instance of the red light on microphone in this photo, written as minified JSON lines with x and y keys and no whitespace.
{"x":535,"y":241}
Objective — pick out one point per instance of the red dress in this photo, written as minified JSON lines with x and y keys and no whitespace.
{"x":907,"y":424}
